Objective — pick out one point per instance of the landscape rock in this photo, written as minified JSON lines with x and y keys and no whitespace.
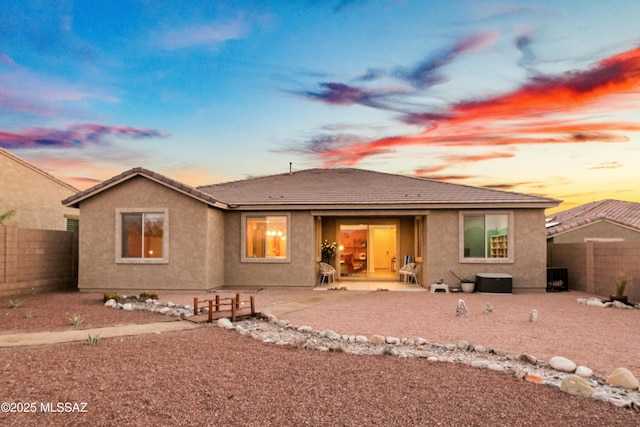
{"x":575,"y":385}
{"x":584,"y":372}
{"x":622,"y":377}
{"x":332,"y":335}
{"x":392,"y":340}
{"x":225,"y":323}
{"x":378,"y":339}
{"x":526,"y":357}
{"x":127,"y":307}
{"x":111,"y":303}
{"x":533,"y":315}
{"x":562,"y":364}
{"x":461,"y":309}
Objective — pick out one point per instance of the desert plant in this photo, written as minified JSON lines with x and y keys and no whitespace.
{"x":15,"y":303}
{"x":5,"y":216}
{"x":76,"y":319}
{"x":110,"y":295}
{"x":93,"y":340}
{"x":148,"y":295}
{"x":28,"y":315}
{"x":621,"y":284}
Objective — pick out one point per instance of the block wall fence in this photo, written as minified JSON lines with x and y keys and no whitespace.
{"x":37,"y":260}
{"x":592,"y":267}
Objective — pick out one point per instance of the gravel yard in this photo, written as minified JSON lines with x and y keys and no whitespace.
{"x":211,"y":376}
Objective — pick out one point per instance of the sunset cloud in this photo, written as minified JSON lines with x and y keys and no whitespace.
{"x":527,"y":115}
{"x":73,"y":136}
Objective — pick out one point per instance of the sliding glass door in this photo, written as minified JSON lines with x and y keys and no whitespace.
{"x":368,"y":251}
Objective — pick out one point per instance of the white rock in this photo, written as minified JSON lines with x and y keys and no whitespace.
{"x":601,"y":395}
{"x":305,"y":329}
{"x":392,"y":340}
{"x":562,"y":364}
{"x":496,"y":367}
{"x":170,"y":304}
{"x":479,"y":363}
{"x":127,"y":307}
{"x":332,"y":335}
{"x":225,"y":323}
{"x":111,"y":303}
{"x":584,"y":372}
{"x":361,"y":339}
{"x":421,"y":341}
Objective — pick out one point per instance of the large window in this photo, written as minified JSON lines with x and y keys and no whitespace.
{"x":141,"y":235}
{"x":486,"y":237}
{"x":266,"y":237}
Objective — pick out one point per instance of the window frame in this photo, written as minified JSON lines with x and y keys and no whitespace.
{"x":243,"y":237}
{"x":165,"y":236}
{"x":486,"y":260}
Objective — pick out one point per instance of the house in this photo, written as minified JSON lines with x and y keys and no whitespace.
{"x":604,"y":220}
{"x":142,"y":230}
{"x":34,"y":195}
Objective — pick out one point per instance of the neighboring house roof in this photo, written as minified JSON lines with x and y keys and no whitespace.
{"x":358,"y":188}
{"x":74,"y":201}
{"x":616,"y":211}
{"x":37,"y":170}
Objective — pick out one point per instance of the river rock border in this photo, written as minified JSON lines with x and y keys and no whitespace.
{"x":620,"y":388}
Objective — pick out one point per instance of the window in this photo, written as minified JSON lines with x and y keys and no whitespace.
{"x":486,"y":237}
{"x":265,"y":238}
{"x":141,"y":235}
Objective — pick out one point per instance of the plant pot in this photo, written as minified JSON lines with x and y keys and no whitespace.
{"x":468,"y":287}
{"x":623,"y":299}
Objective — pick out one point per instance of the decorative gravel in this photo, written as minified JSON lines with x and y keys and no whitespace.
{"x":212,"y":376}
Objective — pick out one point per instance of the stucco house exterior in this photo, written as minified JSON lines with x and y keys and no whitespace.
{"x":35,"y":195}
{"x":605,"y":221}
{"x":142,"y":230}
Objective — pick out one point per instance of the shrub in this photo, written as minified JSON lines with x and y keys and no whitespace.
{"x":14,"y":303}
{"x":93,"y":340}
{"x":110,"y":295}
{"x":148,"y":295}
{"x":76,"y":319}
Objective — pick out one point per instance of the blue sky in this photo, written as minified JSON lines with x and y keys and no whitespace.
{"x":540,"y":97}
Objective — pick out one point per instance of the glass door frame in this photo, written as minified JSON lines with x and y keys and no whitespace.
{"x":364,"y":221}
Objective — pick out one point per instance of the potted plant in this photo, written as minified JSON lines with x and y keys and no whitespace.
{"x":621,"y":286}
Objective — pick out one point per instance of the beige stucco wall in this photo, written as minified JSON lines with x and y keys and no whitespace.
{"x":598,"y":230}
{"x":192,"y":246}
{"x":528,"y":268}
{"x":35,"y":196}
{"x":300,"y":271}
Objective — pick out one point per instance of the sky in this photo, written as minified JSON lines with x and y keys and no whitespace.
{"x":539,"y":97}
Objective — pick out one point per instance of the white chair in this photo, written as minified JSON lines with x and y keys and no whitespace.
{"x":410,"y":272}
{"x":326,"y":272}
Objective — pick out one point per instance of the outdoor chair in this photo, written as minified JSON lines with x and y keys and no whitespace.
{"x":326,"y":272}
{"x":410,"y":272}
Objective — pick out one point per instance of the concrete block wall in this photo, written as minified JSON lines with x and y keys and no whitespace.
{"x":37,"y":260}
{"x":593,"y":266}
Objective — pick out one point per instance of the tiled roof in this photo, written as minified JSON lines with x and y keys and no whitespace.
{"x":617,"y":211}
{"x":357,"y":187}
{"x":74,"y":200}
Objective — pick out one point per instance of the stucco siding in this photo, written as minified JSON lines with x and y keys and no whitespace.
{"x":188,"y":234}
{"x":300,"y":271}
{"x":35,"y":197}
{"x":529,"y":264}
{"x":597,"y":230}
{"x":215,"y":248}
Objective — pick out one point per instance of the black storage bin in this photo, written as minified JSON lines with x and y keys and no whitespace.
{"x":557,"y":279}
{"x":494,"y":282}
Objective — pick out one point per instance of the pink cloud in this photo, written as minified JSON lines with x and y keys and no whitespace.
{"x":73,"y":136}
